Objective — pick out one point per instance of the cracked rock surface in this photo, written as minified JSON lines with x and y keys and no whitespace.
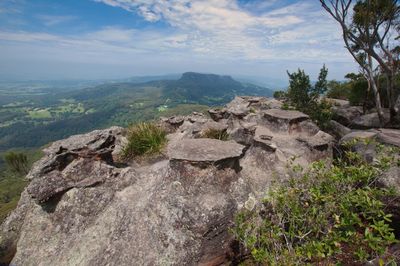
{"x":83,"y":208}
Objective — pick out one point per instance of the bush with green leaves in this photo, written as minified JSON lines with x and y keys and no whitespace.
{"x":329,"y":214}
{"x":338,"y":90}
{"x":145,"y":138}
{"x":17,"y":162}
{"x":280,"y":95}
{"x":212,"y":133}
{"x":306,"y":98}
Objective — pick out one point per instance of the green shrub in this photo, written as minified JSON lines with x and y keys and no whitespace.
{"x":212,"y":133}
{"x":280,"y":95}
{"x":320,"y":113}
{"x":327,"y":215}
{"x":306,"y":97}
{"x":17,"y":162}
{"x":144,"y":139}
{"x":338,"y":90}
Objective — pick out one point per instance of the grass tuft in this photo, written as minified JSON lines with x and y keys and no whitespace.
{"x":144,"y":139}
{"x":212,"y":133}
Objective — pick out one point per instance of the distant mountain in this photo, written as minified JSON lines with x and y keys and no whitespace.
{"x":210,"y":89}
{"x":34,"y":117}
{"x":191,"y":87}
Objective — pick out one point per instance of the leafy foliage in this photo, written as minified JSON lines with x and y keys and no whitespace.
{"x":280,"y":95}
{"x":327,"y":215}
{"x":145,"y":138}
{"x":305,"y":97}
{"x":338,"y":90}
{"x":212,"y":133}
{"x":12,"y":183}
{"x":17,"y":162}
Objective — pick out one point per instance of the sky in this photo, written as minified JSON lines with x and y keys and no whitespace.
{"x":103,"y":39}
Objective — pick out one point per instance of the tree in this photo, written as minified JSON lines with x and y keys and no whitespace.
{"x":17,"y":162}
{"x":280,"y":95}
{"x":368,"y":36}
{"x":306,"y":98}
{"x":300,"y":93}
{"x":299,"y":89}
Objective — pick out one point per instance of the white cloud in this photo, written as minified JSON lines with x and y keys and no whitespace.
{"x":49,"y":20}
{"x":224,"y":28}
{"x":200,"y":32}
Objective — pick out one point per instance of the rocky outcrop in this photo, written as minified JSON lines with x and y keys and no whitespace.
{"x":345,"y":115}
{"x":368,"y":121}
{"x":82,"y":207}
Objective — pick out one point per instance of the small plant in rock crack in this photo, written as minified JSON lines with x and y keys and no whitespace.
{"x":144,"y":139}
{"x":212,"y":133}
{"x":331,"y":214}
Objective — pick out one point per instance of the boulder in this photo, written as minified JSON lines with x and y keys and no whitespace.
{"x":368,"y":121}
{"x":362,"y":146}
{"x":391,"y":178}
{"x":320,"y":141}
{"x":217,"y":114}
{"x":361,"y":135}
{"x":338,"y":102}
{"x":212,"y":125}
{"x":99,"y":144}
{"x":284,"y":120}
{"x":388,"y":136}
{"x":345,"y":115}
{"x":338,"y":129}
{"x":238,"y":107}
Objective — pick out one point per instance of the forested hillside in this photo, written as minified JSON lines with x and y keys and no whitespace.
{"x":33,"y":117}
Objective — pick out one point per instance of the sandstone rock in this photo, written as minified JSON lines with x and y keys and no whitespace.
{"x":338,"y":102}
{"x":320,"y":141}
{"x":204,"y":150}
{"x":221,"y":126}
{"x":79,"y":173}
{"x":364,"y":148}
{"x":238,"y":107}
{"x":362,"y":135}
{"x":391,"y":178}
{"x":389,"y":136}
{"x":285,"y":115}
{"x":284,"y":120}
{"x":83,"y":209}
{"x":338,"y":129}
{"x":368,"y":121}
{"x":241,"y":131}
{"x":264,"y":138}
{"x":99,"y":144}
{"x":346,"y":115}
{"x":217,"y":114}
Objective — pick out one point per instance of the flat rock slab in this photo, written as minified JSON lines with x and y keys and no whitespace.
{"x":263,"y":137}
{"x":286,"y":115}
{"x":204,"y":150}
{"x":320,"y":141}
{"x":389,"y":136}
{"x":362,"y":135}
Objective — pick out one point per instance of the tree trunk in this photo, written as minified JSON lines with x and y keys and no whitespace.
{"x":393,"y":104}
{"x":375,"y":89}
{"x":395,"y":115}
{"x":378,"y":103}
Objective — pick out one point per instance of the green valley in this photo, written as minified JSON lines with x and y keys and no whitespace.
{"x":37,"y":115}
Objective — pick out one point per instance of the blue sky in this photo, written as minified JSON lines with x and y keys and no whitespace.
{"x":91,"y":39}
